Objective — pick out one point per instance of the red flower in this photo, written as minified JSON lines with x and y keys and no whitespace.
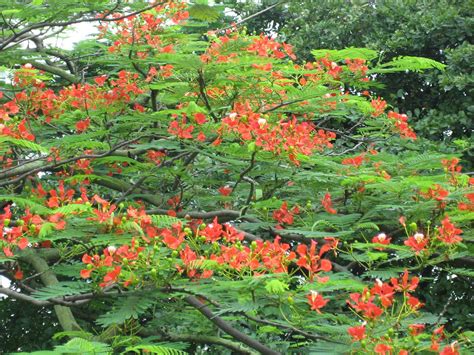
{"x":381,"y":238}
{"x":201,"y":137}
{"x":405,"y":285}
{"x":417,"y":242}
{"x":414,"y":302}
{"x":83,"y":125}
{"x":316,"y":301}
{"x":327,"y":204}
{"x":311,"y":261}
{"x":379,"y":106}
{"x":448,"y":233}
{"x":18,"y":275}
{"x":469,"y":206}
{"x":355,"y":161}
{"x":96,"y":261}
{"x":416,"y":329}
{"x":180,"y":130}
{"x":285,"y":216}
{"x":173,"y":238}
{"x":451,"y":349}
{"x":437,"y":193}
{"x":400,"y":123}
{"x":383,"y":349}
{"x":200,"y":118}
{"x":225,"y":190}
{"x":384,"y":291}
{"x":231,"y":235}
{"x":365,"y":305}
{"x":100,"y":80}
{"x":111,"y":277}
{"x":213,"y":231}
{"x":357,"y":333}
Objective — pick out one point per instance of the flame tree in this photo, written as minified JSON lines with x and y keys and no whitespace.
{"x":170,"y":188}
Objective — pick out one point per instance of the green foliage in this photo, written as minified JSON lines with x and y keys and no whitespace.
{"x":155,"y":349}
{"x":439,"y":102}
{"x":125,"y":308}
{"x":198,"y":189}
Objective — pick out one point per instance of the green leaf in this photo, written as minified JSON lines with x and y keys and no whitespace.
{"x":24,"y":144}
{"x":276,"y":287}
{"x":125,"y":308}
{"x":407,"y":63}
{"x":347,"y":53}
{"x":83,"y":346}
{"x":154,"y":349}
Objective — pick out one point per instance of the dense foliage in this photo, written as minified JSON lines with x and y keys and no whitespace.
{"x":171,"y":189}
{"x":440,"y":103}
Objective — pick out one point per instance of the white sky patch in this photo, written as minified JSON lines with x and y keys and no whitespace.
{"x":73,"y":35}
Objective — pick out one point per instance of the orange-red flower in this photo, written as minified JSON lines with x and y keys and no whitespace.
{"x":383,"y":349}
{"x":448,"y":233}
{"x":283,"y":215}
{"x":381,"y":238}
{"x":357,"y":333}
{"x":327,"y":204}
{"x":405,"y":285}
{"x":316,"y":301}
{"x":417,"y":242}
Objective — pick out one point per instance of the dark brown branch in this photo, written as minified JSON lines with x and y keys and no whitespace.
{"x":227,"y":328}
{"x":222,"y":215}
{"x":199,"y":339}
{"x":22,"y":297}
{"x":246,"y":170}
{"x":202,"y":92}
{"x":291,"y":328}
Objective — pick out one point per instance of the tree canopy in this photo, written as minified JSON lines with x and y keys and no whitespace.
{"x":440,"y":103}
{"x":177,"y":185}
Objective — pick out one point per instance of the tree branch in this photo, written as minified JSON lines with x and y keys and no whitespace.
{"x":22,"y":297}
{"x":64,"y":314}
{"x":200,"y":339}
{"x":227,"y":328}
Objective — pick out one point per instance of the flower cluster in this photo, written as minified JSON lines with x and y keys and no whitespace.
{"x":400,"y":122}
{"x":289,"y":135}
